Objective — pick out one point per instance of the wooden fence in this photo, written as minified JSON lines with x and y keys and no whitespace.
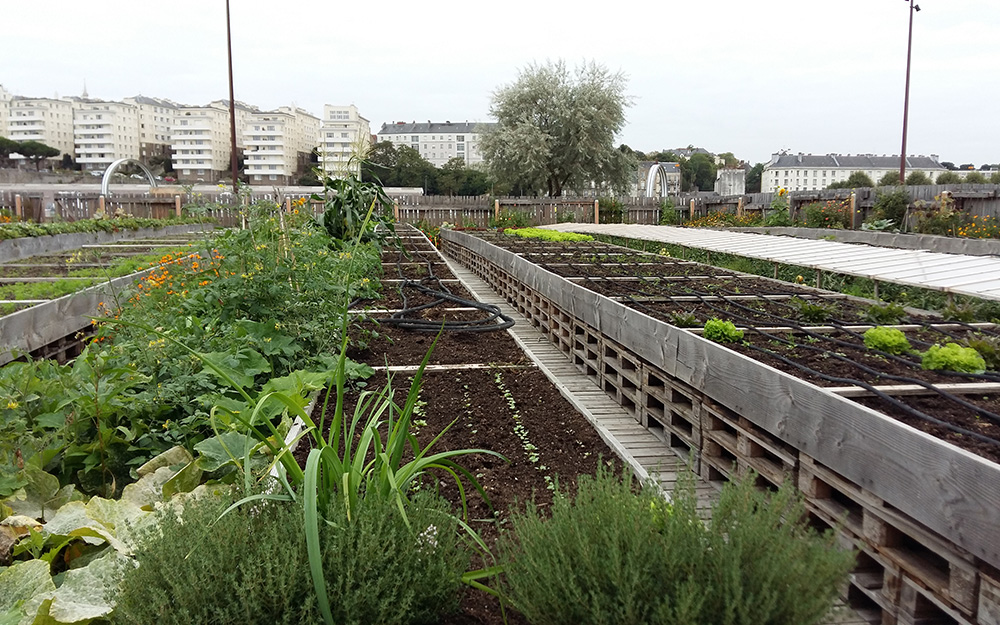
{"x":480,"y":211}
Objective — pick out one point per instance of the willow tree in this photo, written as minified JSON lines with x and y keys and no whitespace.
{"x":556,"y":129}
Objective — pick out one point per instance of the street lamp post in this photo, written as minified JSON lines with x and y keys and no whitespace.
{"x":906,"y":97}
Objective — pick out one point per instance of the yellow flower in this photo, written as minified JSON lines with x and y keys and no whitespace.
{"x":12,"y":405}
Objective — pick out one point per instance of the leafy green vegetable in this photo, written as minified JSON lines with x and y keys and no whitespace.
{"x":953,"y":357}
{"x":722,"y":331}
{"x":889,"y":340}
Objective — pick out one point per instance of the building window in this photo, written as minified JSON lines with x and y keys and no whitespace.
{"x":414,"y":139}
{"x":343,"y":135}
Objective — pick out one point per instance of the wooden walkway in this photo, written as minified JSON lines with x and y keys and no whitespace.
{"x":648,"y":456}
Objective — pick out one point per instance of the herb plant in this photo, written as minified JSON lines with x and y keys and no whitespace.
{"x":885,"y":314}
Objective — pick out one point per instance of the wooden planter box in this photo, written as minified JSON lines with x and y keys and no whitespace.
{"x":924,"y":514}
{"x":25,"y":247}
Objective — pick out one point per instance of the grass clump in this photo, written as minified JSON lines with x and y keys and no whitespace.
{"x":953,"y":357}
{"x":722,"y":331}
{"x":250,"y":566}
{"x":889,"y":340}
{"x":610,"y":555}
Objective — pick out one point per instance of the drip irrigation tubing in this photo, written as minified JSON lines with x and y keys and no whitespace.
{"x":407,"y":317}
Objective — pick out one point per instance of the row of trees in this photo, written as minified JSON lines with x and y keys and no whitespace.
{"x":860,"y":179}
{"x":34,"y":151}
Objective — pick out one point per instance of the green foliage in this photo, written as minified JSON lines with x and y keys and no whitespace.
{"x":779,"y":215}
{"x":856,"y":180}
{"x":556,"y":130}
{"x":683,"y":319}
{"x":547,"y":235}
{"x":891,"y":204}
{"x":889,"y":340}
{"x":917,"y":178}
{"x":754,"y":177}
{"x":948,"y":177}
{"x":988,"y":347}
{"x":885,"y":314}
{"x":20,"y":229}
{"x":975,"y":177}
{"x":668,"y":213}
{"x":36,"y":151}
{"x":611,"y":210}
{"x":813,"y":312}
{"x":698,"y":172}
{"x":198,"y":567}
{"x":939,"y":217}
{"x":349,"y":206}
{"x":722,"y":331}
{"x":512,"y":219}
{"x":953,"y":357}
{"x":890,"y":179}
{"x":831,"y":214}
{"x":611,"y":555}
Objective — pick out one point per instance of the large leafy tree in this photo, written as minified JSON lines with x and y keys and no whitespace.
{"x":556,"y":128}
{"x":856,"y":180}
{"x":7,"y":147}
{"x":754,"y":178}
{"x":948,"y":177}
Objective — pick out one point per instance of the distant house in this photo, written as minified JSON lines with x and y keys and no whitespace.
{"x":806,"y":172}
{"x":438,"y":142}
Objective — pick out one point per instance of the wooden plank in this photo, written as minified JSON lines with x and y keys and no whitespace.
{"x":915,"y":389}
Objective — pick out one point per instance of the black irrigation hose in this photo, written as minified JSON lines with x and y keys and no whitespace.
{"x":902,"y":406}
{"x":404,"y":318}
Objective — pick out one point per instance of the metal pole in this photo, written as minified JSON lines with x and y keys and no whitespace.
{"x":906,"y":97}
{"x":232,"y":105}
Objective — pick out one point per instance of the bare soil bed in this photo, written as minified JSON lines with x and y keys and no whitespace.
{"x":485,"y":404}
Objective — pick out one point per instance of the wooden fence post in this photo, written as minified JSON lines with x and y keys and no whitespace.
{"x":395,"y":210}
{"x":177,"y":205}
{"x":18,"y":207}
{"x":288,"y":204}
{"x":101,"y":204}
{"x":854,"y":211}
{"x":496,"y":211}
{"x":597,"y":211}
{"x":691,"y":215}
{"x":739,"y":207}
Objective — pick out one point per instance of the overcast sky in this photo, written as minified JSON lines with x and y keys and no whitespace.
{"x":750,"y":77}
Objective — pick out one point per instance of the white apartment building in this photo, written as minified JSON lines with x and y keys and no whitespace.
{"x":156,"y":116}
{"x":279,"y":145}
{"x":104,"y":132}
{"x":5,"y":98}
{"x":344,"y":138}
{"x":200,"y":140}
{"x":807,"y":172}
{"x":438,"y":142}
{"x":46,"y":120}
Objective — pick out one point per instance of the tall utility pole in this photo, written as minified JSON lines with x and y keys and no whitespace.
{"x":232,"y":105}
{"x":906,"y":98}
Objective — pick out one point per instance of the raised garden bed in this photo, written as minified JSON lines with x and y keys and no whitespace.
{"x":922,"y":510}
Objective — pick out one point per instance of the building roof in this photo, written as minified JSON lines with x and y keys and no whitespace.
{"x":403,"y":128}
{"x":141,"y":99}
{"x":853,"y":162}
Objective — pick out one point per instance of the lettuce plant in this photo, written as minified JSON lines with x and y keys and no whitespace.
{"x":722,"y":331}
{"x":889,"y":340}
{"x":953,"y":357}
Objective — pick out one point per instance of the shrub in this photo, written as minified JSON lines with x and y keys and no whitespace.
{"x":251,"y":566}
{"x":889,"y":340}
{"x":611,"y":555}
{"x":668,"y":213}
{"x":891,"y":205}
{"x":832,"y":214}
{"x":611,"y":210}
{"x":722,"y":331}
{"x":953,"y":357}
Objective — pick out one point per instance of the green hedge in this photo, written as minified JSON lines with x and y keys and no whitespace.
{"x":547,"y":235}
